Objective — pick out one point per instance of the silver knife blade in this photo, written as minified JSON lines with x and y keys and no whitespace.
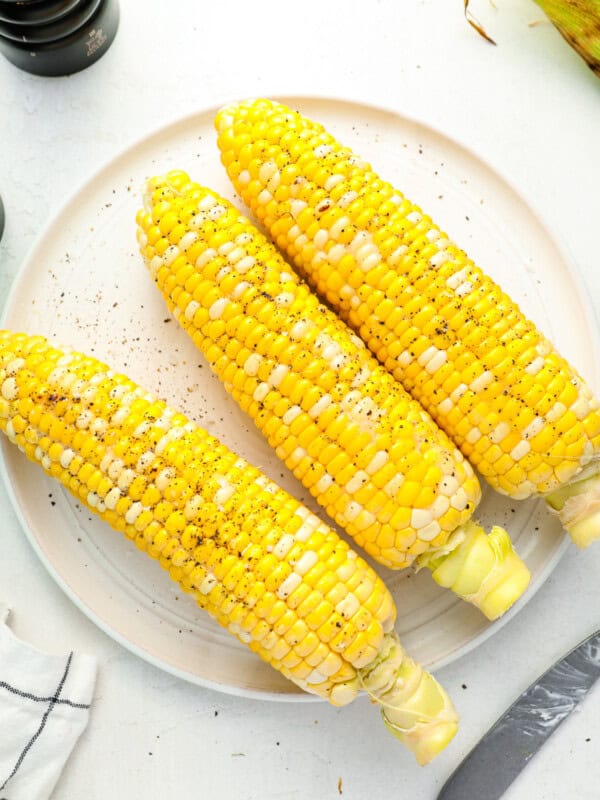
{"x":493,"y":764}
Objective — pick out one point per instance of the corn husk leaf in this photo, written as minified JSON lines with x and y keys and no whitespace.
{"x":578,"y":21}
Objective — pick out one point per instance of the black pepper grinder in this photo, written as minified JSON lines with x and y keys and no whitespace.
{"x":56,"y":37}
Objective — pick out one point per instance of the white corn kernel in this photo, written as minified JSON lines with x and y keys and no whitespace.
{"x":190,"y":309}
{"x":377,"y":462}
{"x":112,"y":497}
{"x":284,"y":545}
{"x":10,"y":390}
{"x":473,"y":436}
{"x":420,"y":517}
{"x":393,"y":485}
{"x":478,"y":384}
{"x":446,"y":406}
{"x":66,"y":457}
{"x":534,"y":427}
{"x":348,"y":606}
{"x":520,"y":450}
{"x":292,"y":582}
{"x":133,"y":512}
{"x":252,"y":364}
{"x":306,"y":561}
{"x":429,"y":532}
{"x":320,"y":406}
{"x":500,"y":432}
{"x":535,"y":366}
{"x":218,"y":307}
{"x":356,"y":482}
{"x":459,"y":500}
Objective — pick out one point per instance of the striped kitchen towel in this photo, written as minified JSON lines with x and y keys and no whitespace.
{"x":44,"y":708}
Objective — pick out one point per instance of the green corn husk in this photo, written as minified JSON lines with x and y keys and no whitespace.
{"x":578,"y":21}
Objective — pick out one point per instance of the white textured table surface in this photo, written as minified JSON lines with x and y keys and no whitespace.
{"x":530,"y":108}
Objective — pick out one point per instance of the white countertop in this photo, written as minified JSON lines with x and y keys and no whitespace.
{"x":530,"y":108}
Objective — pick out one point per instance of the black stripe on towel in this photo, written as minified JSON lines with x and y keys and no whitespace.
{"x":38,"y":699}
{"x":53,"y":700}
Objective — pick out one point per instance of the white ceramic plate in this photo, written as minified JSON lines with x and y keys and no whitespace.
{"x":84,"y":284}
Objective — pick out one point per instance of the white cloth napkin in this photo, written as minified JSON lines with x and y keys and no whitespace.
{"x":44,"y":708}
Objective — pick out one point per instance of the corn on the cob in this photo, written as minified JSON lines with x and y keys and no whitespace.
{"x":367,"y":451}
{"x":525,"y":418}
{"x":256,"y":559}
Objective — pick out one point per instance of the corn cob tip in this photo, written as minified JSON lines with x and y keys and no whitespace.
{"x":483,"y":569}
{"x":415,"y":708}
{"x":578,"y":507}
{"x":227,"y":113}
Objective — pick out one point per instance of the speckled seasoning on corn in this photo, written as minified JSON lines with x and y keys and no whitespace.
{"x":526,"y":420}
{"x":256,"y":559}
{"x":366,"y":451}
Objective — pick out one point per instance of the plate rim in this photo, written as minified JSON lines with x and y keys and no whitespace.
{"x":163,"y":128}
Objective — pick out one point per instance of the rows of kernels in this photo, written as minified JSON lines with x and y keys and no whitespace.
{"x":309,"y":383}
{"x":458,"y":343}
{"x":244,"y":548}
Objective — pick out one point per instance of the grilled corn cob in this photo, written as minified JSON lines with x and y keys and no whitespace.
{"x":526,"y":420}
{"x":257,"y":560}
{"x":367,"y":452}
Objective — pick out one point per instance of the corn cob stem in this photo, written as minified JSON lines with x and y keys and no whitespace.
{"x":253,"y":557}
{"x":578,"y":507}
{"x":365,"y":450}
{"x":412,"y":705}
{"x":523,"y":416}
{"x":481,"y":568}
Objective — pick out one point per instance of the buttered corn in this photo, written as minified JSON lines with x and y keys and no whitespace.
{"x":253,"y":557}
{"x":525,"y":419}
{"x":367,"y":452}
